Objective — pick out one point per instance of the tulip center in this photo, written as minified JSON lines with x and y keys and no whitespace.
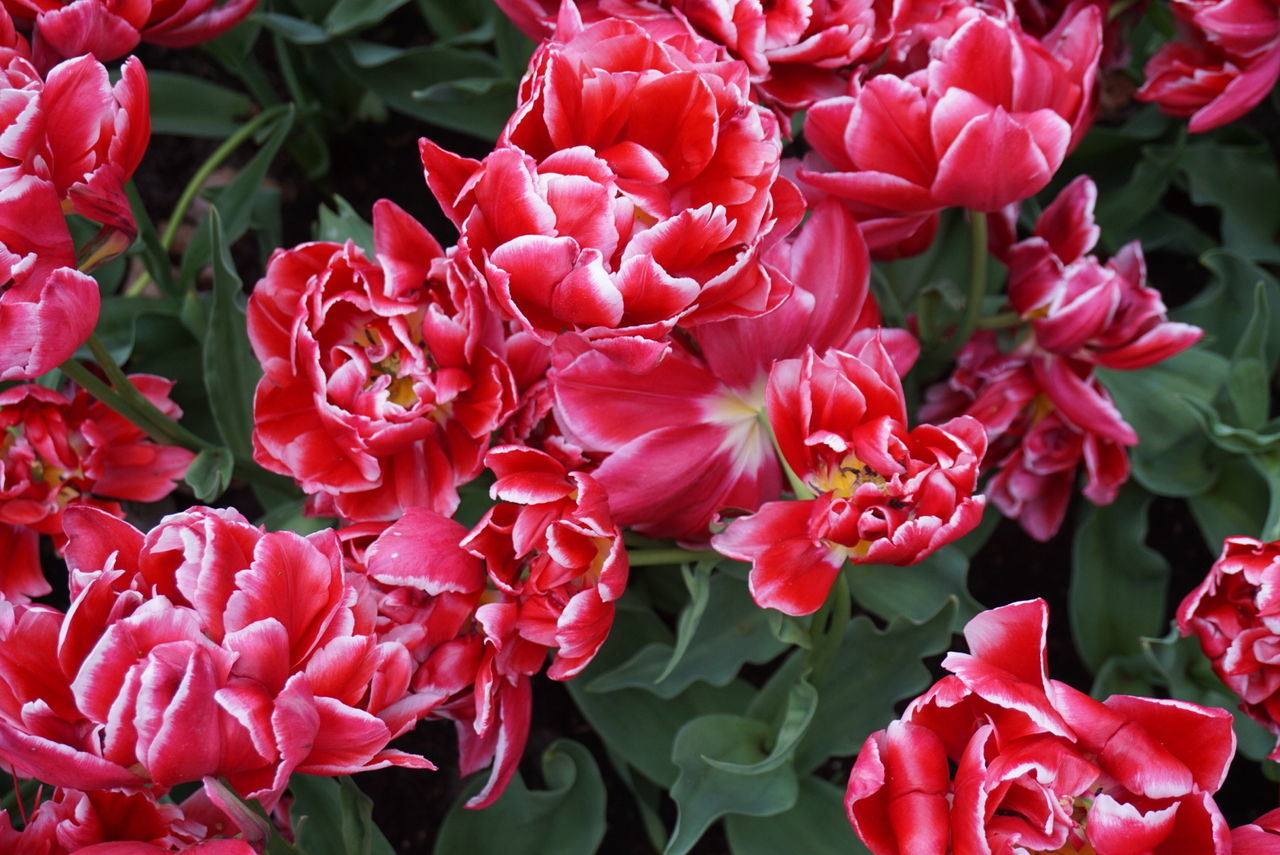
{"x":847,"y":477}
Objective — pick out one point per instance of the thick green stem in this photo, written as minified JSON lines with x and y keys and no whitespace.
{"x":977,"y":282}
{"x":798,"y":486}
{"x":655,"y":557}
{"x":198,"y":180}
{"x":829,"y":626}
{"x":1002,"y":321}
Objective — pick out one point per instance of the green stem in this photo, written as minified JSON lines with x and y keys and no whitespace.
{"x":798,"y":486}
{"x":1002,"y":321}
{"x":829,"y":631}
{"x":197,"y":182}
{"x":655,"y":557}
{"x":977,"y":281}
{"x":142,"y":412}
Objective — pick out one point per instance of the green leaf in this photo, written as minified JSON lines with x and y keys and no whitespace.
{"x":802,"y":703}
{"x":1170,"y":458}
{"x":154,"y":256}
{"x":698,"y":582}
{"x":1189,"y":677}
{"x":816,"y":825}
{"x":872,"y":671}
{"x":231,"y":371}
{"x":235,"y":201}
{"x":1120,"y":211}
{"x":1248,"y":381}
{"x":1268,"y":465}
{"x":1225,"y":309}
{"x":210,"y":473}
{"x":918,"y":591}
{"x":1118,"y":583}
{"x":424,"y":82}
{"x":567,"y":818}
{"x":735,"y":632}
{"x":342,"y":223}
{"x":348,"y":16}
{"x":188,"y":106}
{"x":1235,"y":504}
{"x":117,"y":323}
{"x":1231,"y":438}
{"x":293,"y":29}
{"x":1242,"y":183}
{"x":332,"y":817}
{"x":635,"y":723}
{"x":704,"y":793}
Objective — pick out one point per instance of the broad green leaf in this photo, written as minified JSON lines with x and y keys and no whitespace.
{"x":210,"y":473}
{"x":513,"y":47}
{"x":1121,"y":210}
{"x":117,"y":323}
{"x":1190,"y":677}
{"x":407,"y":80}
{"x":348,"y":16}
{"x":637,"y":724}
{"x":1248,"y":381}
{"x":454,"y":20}
{"x":342,"y":223}
{"x":698,"y":582}
{"x":1129,"y":674}
{"x":1242,"y":183}
{"x":918,"y":591}
{"x":566,"y":818}
{"x":293,"y":29}
{"x":946,"y":258}
{"x":802,"y":703}
{"x":1235,"y":504}
{"x":1169,"y":459}
{"x":332,"y":817}
{"x":231,"y":371}
{"x":1268,"y":465}
{"x":1230,"y":438}
{"x":648,"y":798}
{"x":816,"y":825}
{"x":1225,"y":309}
{"x":287,"y":514}
{"x":873,"y":670}
{"x":704,"y":793}
{"x":1118,"y":583}
{"x":188,"y":106}
{"x":735,"y":632}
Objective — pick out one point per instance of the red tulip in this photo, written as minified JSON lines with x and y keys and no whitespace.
{"x":382,"y":381}
{"x":999,"y":758}
{"x":987,"y":123}
{"x":883,"y":495}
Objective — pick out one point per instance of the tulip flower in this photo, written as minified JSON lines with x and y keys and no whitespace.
{"x":998,"y":757}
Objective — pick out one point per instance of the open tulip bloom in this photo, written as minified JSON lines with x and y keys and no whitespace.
{"x":739,"y":328}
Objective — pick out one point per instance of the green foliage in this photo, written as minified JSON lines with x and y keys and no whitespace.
{"x":566,"y":818}
{"x":330,"y":817}
{"x":1118,"y":583}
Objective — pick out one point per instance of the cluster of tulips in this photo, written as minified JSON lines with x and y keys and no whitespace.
{"x":652,"y":321}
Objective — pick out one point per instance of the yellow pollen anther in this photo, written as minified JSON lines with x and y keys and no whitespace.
{"x":847,"y":477}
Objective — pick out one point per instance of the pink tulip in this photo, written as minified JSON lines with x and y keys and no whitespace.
{"x":1235,"y":614}
{"x":605,"y":212}
{"x":382,"y":381}
{"x":987,"y":123}
{"x":1229,"y":61}
{"x":998,"y":757}
{"x":883,"y":495}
